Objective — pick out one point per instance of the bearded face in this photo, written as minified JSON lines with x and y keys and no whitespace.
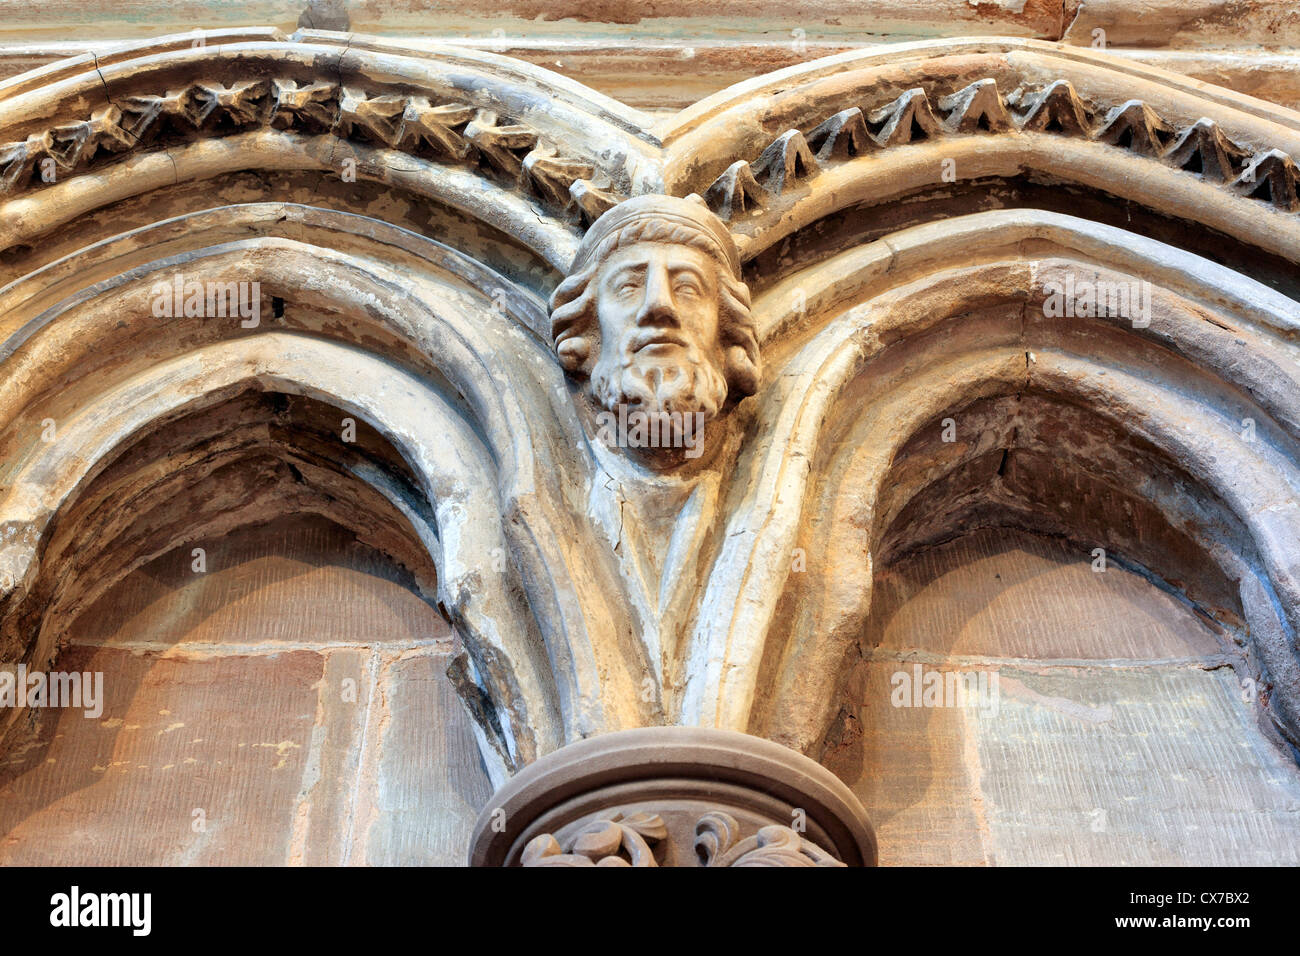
{"x":660,"y":353}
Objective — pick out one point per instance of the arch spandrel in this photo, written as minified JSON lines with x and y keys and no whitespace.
{"x":601,"y":584}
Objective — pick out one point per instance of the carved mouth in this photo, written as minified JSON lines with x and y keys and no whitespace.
{"x":659,"y":337}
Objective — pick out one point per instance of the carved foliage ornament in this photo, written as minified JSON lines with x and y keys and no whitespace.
{"x":448,"y":133}
{"x":628,"y":840}
{"x":1268,"y":175}
{"x":614,"y":840}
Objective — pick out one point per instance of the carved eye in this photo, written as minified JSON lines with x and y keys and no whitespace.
{"x":686,"y":288}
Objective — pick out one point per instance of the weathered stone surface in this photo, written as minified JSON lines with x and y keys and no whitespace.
{"x":1122,"y":734}
{"x":1176,"y":777}
{"x":426,"y":772}
{"x":426,"y":275}
{"x":192,"y":763}
{"x":294,"y":693}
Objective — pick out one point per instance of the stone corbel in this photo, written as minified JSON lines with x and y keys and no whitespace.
{"x":677,"y":797}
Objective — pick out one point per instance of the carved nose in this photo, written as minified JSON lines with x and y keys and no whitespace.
{"x":657,"y":308}
{"x":658,"y":313}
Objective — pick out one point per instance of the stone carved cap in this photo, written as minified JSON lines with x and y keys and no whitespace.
{"x":673,"y":797}
{"x":670,"y":213}
{"x":655,"y":315}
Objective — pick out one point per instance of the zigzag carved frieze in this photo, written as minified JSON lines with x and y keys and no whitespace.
{"x":455,"y":133}
{"x":1201,"y":148}
{"x":510,"y":150}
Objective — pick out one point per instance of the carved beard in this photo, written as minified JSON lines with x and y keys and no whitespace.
{"x":652,"y":388}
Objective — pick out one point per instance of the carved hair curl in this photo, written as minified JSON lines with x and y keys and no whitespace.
{"x":576,"y":331}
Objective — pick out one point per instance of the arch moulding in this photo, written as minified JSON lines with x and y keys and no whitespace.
{"x":616,"y":371}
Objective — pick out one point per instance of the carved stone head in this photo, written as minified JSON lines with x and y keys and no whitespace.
{"x":655,"y":315}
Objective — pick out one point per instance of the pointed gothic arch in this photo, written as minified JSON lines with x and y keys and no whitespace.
{"x":897,"y":214}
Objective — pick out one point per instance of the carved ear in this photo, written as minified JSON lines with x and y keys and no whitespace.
{"x":573,"y":352}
